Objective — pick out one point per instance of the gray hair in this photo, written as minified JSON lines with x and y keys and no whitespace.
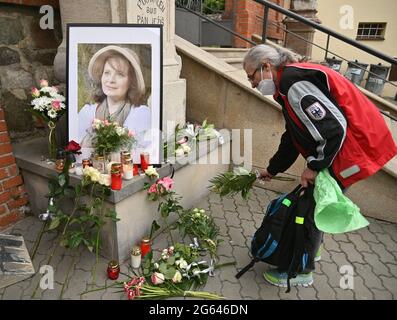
{"x":275,"y":56}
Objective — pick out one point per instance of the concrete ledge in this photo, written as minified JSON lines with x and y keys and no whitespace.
{"x":135,"y":211}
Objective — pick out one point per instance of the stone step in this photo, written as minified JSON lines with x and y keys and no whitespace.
{"x":235,"y":62}
{"x":15,"y":262}
{"x":226,"y":52}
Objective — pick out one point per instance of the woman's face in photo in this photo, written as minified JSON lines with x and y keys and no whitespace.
{"x":115,"y":80}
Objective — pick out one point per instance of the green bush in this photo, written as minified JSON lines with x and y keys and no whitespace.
{"x":213,"y":6}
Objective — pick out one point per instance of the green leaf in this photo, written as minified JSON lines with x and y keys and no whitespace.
{"x":170,"y":273}
{"x":171,"y":260}
{"x":163,"y":267}
{"x":155,"y":226}
{"x":54,"y":223}
{"x":62,"y":179}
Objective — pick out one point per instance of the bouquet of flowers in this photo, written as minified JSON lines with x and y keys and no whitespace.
{"x":238,"y":180}
{"x":173,"y":275}
{"x":110,"y":137}
{"x":48,"y":106}
{"x":47,"y":103}
{"x":196,"y":223}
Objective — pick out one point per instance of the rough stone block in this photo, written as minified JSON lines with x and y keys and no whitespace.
{"x":15,"y":262}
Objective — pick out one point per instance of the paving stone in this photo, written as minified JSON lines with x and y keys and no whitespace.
{"x":392,"y":268}
{"x":340,"y":259}
{"x":391,"y":230}
{"x":382,"y":294}
{"x":249,"y":288}
{"x":344,"y":294}
{"x":331,"y":244}
{"x":217,"y":211}
{"x":361,"y":292}
{"x":114,"y":294}
{"x":374,"y":226}
{"x":228,"y":204}
{"x":292,"y":295}
{"x":214,"y":284}
{"x":377,"y":266}
{"x":367,"y":235}
{"x":340,"y":237}
{"x":254,"y":206}
{"x":225,"y":249}
{"x":384,"y":255}
{"x":214,"y":198}
{"x":308,"y":293}
{"x":371,"y":280}
{"x":221,"y":223}
{"x":387,"y":241}
{"x":324,"y":290}
{"x":243,"y":211}
{"x":325,"y":255}
{"x":52,"y":294}
{"x":86,"y":261}
{"x":267,"y":291}
{"x":358,"y":241}
{"x":236,"y":236}
{"x":391,"y":285}
{"x":228,"y":273}
{"x":76,"y":283}
{"x":232,"y":219}
{"x":239,"y":200}
{"x":249,"y":228}
{"x":13,"y":292}
{"x":258,"y":218}
{"x":231,"y":291}
{"x":331,"y":270}
{"x":242,"y":257}
{"x":352,"y":254}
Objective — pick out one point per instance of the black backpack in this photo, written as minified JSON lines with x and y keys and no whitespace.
{"x":287,"y":235}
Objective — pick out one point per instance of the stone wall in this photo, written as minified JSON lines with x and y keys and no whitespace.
{"x":26,"y":55}
{"x":13,"y":197}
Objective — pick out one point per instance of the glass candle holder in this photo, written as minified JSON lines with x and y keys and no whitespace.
{"x":128,"y":169}
{"x":144,"y":160}
{"x":146,"y":246}
{"x":136,"y":257}
{"x":116,"y":180}
{"x":113,"y":270}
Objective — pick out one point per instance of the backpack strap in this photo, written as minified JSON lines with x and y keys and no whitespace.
{"x":301,"y":212}
{"x":246,"y":268}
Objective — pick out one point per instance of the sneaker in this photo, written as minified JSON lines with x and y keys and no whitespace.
{"x":318,"y":254}
{"x":279,"y":279}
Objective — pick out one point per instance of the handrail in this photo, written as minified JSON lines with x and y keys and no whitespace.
{"x":219,"y":25}
{"x":328,"y":31}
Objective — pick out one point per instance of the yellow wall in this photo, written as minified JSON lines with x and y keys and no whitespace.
{"x":363,"y":11}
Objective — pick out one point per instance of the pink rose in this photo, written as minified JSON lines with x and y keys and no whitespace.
{"x":166,"y":182}
{"x":56,"y":105}
{"x":157,"y":278}
{"x":35,"y":92}
{"x":131,"y":134}
{"x":182,"y":140}
{"x":43,"y":83}
{"x":153,"y":188}
{"x":131,"y":294}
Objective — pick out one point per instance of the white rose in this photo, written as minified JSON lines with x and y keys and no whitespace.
{"x":186,"y":149}
{"x":151,"y":172}
{"x":177,"y":277}
{"x":179,"y":152}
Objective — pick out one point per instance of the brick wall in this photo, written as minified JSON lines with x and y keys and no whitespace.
{"x":13,"y":196}
{"x":248,"y":20}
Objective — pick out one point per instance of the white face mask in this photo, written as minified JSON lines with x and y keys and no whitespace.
{"x":266,"y":86}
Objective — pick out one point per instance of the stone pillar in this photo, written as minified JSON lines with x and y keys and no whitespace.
{"x":136,"y":12}
{"x":307,"y":9}
{"x":174,"y":88}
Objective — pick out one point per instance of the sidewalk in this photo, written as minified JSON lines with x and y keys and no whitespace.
{"x":372,"y":252}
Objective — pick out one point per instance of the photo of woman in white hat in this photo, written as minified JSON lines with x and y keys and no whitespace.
{"x":118,"y":95}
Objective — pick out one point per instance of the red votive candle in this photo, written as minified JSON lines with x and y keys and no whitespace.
{"x":116,"y":180}
{"x":113,"y":270}
{"x":145,"y":246}
{"x":144,"y":160}
{"x":136,"y":169}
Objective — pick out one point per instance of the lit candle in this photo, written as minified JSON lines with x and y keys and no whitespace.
{"x":136,"y":257}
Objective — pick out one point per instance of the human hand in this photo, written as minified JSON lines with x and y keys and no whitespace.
{"x":265,"y":176}
{"x":308,"y":177}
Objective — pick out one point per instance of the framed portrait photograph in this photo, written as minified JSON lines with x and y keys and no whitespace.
{"x":114,"y":74}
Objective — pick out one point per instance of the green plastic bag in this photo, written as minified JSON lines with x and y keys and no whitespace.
{"x":334,"y":212}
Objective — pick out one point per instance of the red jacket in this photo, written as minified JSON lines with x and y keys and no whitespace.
{"x":331,"y":123}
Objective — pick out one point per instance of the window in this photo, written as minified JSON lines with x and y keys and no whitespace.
{"x":371,"y":31}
